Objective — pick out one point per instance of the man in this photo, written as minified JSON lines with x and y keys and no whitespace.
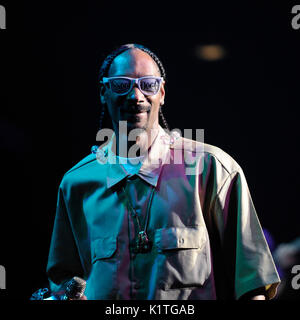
{"x":156,"y":227}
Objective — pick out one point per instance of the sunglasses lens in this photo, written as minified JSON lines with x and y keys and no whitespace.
{"x":120,"y":85}
{"x":149,"y":86}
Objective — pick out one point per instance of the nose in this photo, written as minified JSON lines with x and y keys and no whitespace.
{"x":135,"y":95}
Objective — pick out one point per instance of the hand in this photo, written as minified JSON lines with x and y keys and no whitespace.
{"x":82,"y":298}
{"x":256,"y":294}
{"x":259,"y":297}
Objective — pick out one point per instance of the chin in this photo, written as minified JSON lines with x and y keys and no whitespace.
{"x":137,"y":125}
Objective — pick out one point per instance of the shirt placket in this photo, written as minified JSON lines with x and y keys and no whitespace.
{"x":138,"y":195}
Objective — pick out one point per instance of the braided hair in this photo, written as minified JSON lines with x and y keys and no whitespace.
{"x":110,"y":58}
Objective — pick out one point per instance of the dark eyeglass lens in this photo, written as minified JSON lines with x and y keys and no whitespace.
{"x":149,"y":85}
{"x":120,"y":85}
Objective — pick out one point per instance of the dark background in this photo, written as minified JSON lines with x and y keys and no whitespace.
{"x":50,"y":55}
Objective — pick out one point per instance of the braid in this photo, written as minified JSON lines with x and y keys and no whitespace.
{"x":110,"y":58}
{"x":164,"y":120}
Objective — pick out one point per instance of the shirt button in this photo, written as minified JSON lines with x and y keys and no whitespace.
{"x":181,"y":241}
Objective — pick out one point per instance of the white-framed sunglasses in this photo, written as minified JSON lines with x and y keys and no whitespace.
{"x":148,"y":85}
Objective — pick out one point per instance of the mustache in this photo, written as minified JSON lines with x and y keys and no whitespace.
{"x":136,"y":108}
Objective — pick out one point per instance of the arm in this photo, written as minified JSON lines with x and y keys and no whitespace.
{"x":248,"y":261}
{"x":63,"y":260}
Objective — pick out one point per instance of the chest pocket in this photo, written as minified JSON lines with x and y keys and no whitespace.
{"x":103,"y":248}
{"x":183,"y":257}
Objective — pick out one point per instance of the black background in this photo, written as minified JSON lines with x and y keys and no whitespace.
{"x":50,"y":55}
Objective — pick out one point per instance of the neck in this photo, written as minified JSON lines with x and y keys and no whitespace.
{"x":134,"y":144}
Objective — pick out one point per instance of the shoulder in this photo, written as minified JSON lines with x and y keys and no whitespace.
{"x":85,"y":171}
{"x":225,"y":160}
{"x":208,"y":153}
{"x":89,"y":159}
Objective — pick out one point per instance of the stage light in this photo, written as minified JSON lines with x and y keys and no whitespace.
{"x":210,"y":52}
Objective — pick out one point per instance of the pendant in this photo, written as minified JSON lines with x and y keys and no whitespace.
{"x":143,"y":244}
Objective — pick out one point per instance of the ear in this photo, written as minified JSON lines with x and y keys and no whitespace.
{"x":162,"y":93}
{"x":102,"y":95}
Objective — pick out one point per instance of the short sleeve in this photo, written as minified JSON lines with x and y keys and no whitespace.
{"x":248,"y":262}
{"x":63,"y":259}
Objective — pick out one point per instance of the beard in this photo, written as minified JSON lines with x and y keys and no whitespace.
{"x":137,"y":116}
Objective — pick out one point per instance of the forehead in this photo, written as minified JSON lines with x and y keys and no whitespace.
{"x":133,"y":63}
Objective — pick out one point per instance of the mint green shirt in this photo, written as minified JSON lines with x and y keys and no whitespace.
{"x":207,"y":240}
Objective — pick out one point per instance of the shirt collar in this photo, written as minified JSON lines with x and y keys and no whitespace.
{"x":152,"y":164}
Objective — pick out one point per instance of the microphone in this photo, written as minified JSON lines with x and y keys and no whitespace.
{"x":74,"y":290}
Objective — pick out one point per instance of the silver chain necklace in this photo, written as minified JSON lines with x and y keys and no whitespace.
{"x":142,"y":243}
